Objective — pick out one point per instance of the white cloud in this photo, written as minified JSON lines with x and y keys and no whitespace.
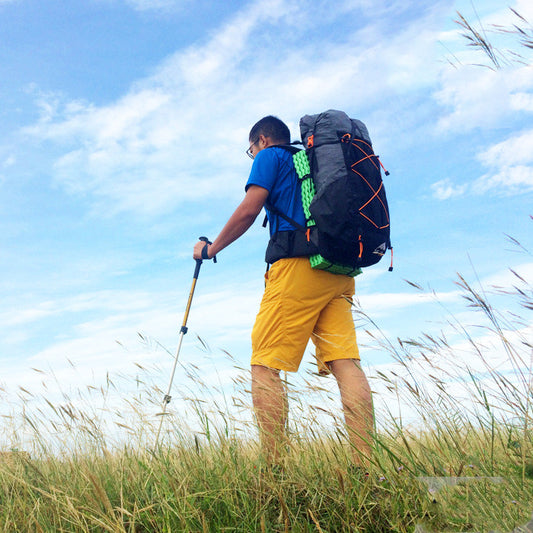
{"x":26,"y":316}
{"x":151,"y":5}
{"x":523,"y":101}
{"x":145,"y":5}
{"x":508,"y":278}
{"x":481,"y":98}
{"x":178,"y":135}
{"x":516,"y":179}
{"x":510,"y":166}
{"x":517,"y":150}
{"x":510,"y":171}
{"x":384,"y":303}
{"x":478,"y":98}
{"x":114,"y":301}
{"x":506,"y":17}
{"x":446,"y":189}
{"x":102,"y":351}
{"x":10,"y":161}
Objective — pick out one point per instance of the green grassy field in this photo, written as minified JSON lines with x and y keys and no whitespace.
{"x":221,"y":487}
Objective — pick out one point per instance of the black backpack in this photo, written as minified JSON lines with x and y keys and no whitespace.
{"x":343,"y":196}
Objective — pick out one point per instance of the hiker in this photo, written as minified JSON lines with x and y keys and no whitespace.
{"x":299,"y":302}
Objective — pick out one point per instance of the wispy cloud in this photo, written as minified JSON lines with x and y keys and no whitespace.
{"x":140,"y":153}
{"x":508,"y":278}
{"x":511,"y":166}
{"x":446,"y":189}
{"x":386,"y":304}
{"x":481,"y":98}
{"x":509,"y":171}
{"x":505,"y":17}
{"x":145,"y":5}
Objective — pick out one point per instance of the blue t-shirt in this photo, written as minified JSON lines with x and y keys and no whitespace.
{"x":273,"y":169}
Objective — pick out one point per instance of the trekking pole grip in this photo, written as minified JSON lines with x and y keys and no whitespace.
{"x":207,"y":241}
{"x":199,"y":261}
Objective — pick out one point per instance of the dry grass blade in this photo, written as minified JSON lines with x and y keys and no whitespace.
{"x":477,"y":40}
{"x":498,"y":57}
{"x":314,"y":520}
{"x":413,"y":284}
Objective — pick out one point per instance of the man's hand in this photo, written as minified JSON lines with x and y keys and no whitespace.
{"x":198,"y":247}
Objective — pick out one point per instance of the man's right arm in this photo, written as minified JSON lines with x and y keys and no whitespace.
{"x":241,"y":220}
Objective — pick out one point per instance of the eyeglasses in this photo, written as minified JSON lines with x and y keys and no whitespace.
{"x":249,"y":151}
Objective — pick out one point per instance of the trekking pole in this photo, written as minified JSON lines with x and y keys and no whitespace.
{"x":183,"y":331}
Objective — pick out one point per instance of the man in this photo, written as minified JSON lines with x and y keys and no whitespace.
{"x":299,"y":302}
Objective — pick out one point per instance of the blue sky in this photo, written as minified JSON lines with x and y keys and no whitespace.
{"x":124,"y":125}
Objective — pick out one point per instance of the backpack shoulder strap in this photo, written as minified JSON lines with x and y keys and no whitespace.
{"x":293,"y":150}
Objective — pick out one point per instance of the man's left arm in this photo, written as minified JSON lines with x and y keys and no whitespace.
{"x":239,"y":222}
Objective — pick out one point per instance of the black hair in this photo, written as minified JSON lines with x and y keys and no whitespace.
{"x":271,"y":127}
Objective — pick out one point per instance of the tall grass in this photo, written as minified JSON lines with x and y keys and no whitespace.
{"x":515,"y":41}
{"x":466,"y":417}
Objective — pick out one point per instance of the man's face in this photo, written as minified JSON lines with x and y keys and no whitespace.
{"x":256,"y":145}
{"x":253,"y":150}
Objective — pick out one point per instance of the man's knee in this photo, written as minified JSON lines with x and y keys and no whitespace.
{"x":265,"y":381}
{"x":264,"y":373}
{"x":345,"y":366}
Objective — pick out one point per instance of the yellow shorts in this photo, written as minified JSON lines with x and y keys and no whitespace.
{"x":300,"y":303}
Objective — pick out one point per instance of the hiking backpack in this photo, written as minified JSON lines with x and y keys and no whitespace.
{"x":343,"y":196}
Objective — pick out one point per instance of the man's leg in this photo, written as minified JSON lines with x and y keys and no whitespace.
{"x":270,"y":404}
{"x":357,"y":404}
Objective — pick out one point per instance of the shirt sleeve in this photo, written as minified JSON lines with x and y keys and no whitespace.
{"x":264,"y":170}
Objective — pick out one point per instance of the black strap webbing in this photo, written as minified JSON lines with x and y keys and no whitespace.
{"x":288,"y":219}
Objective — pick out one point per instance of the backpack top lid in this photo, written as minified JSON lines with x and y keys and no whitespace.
{"x":323,"y":132}
{"x":324,"y":126}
